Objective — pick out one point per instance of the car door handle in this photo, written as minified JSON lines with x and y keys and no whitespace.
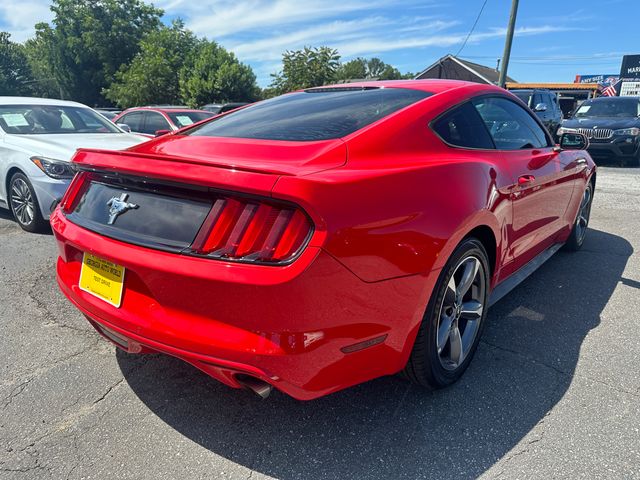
{"x":581,"y":161}
{"x":525,"y":179}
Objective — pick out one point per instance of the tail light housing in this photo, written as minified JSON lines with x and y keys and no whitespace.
{"x":253,"y":231}
{"x":74,"y":191}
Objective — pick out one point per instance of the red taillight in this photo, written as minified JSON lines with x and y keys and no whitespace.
{"x":74,"y":192}
{"x":249,"y":230}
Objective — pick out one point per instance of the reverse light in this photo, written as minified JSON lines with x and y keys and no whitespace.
{"x":57,"y":169}
{"x":255,"y":231}
{"x":634,"y":131}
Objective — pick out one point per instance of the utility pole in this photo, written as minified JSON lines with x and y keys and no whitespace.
{"x":507,"y":44}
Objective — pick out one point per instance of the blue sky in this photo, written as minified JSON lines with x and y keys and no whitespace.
{"x":555,"y":40}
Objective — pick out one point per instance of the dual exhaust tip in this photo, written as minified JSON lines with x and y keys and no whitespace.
{"x":255,"y":385}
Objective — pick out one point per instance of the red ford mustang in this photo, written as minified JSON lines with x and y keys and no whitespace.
{"x":325,"y":237}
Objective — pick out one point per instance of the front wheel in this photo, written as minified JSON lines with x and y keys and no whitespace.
{"x":579,"y":231}
{"x":24,"y":204}
{"x":454,"y":319}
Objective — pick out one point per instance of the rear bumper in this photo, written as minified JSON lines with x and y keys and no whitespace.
{"x":287,"y":325}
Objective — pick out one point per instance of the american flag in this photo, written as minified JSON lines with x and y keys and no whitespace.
{"x":611,"y":90}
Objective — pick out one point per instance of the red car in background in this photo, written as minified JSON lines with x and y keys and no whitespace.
{"x":325,"y":237}
{"x":158,"y":120}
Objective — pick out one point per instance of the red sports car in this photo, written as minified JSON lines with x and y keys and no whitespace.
{"x":325,"y":237}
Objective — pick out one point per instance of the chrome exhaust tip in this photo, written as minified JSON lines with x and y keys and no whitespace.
{"x":259,"y":387}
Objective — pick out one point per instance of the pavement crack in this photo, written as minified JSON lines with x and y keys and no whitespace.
{"x":109,"y":390}
{"x":15,"y":391}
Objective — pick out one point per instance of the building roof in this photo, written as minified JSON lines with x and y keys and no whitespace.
{"x":554,"y":86}
{"x":484,"y":74}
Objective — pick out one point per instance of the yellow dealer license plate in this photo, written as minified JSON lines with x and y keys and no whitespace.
{"x":102,"y":278}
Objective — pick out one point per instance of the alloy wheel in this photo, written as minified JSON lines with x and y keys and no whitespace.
{"x":461,"y":312}
{"x":583,"y":215}
{"x":22,"y":202}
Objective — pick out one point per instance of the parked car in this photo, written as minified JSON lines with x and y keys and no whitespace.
{"x":612,"y":125}
{"x":545,"y":105}
{"x":38,"y":137}
{"x":158,"y":120}
{"x":108,"y":113}
{"x":323,"y":238}
{"x":223,"y":107}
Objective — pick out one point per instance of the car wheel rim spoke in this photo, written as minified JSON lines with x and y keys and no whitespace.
{"x":461,"y":312}
{"x":22,"y":202}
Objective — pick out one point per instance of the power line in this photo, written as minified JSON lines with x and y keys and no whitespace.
{"x":473,"y":27}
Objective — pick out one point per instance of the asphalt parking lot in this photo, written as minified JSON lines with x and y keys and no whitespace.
{"x":554,"y":390}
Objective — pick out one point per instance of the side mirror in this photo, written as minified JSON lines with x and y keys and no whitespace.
{"x":124,"y":127}
{"x":159,"y":133}
{"x":573,"y":141}
{"x":541,"y":107}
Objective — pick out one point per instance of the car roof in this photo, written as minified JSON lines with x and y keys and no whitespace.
{"x":427,"y":85}
{"x":39,"y":101}
{"x":163,"y":109}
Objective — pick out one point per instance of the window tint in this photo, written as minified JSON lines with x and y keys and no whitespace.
{"x":52,"y":119}
{"x":315,"y":114}
{"x":510,"y":125}
{"x":463,"y":127}
{"x":133,"y":120}
{"x":153,"y":122}
{"x":526,"y":97}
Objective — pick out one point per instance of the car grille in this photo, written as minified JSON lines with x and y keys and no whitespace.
{"x":596,"y":133}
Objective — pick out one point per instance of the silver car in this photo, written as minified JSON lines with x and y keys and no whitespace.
{"x":38,"y":137}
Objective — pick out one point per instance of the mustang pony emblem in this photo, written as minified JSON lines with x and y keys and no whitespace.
{"x":117,"y":206}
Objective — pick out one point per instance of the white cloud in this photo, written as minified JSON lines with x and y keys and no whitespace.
{"x":20,"y":17}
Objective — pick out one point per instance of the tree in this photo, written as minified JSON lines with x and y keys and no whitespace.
{"x":370,"y":69}
{"x":212,"y":74}
{"x":89,"y":40}
{"x":153,"y":76}
{"x":44,"y":82}
{"x":15,"y":74}
{"x":309,"y":67}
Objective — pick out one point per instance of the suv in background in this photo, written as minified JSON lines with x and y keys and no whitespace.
{"x":612,"y":125}
{"x":544,"y":104}
{"x":158,"y":120}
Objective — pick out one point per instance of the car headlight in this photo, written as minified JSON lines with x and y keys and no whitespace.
{"x":562,"y":130}
{"x":54,"y":168}
{"x":634,"y":131}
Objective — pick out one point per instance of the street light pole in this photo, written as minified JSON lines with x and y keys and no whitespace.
{"x":507,"y":44}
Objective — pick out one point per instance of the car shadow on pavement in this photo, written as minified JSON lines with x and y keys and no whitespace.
{"x":388,"y":428}
{"x":7,"y":215}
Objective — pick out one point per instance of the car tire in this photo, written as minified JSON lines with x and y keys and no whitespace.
{"x":448,"y":337}
{"x":24,"y":204}
{"x":579,"y":229}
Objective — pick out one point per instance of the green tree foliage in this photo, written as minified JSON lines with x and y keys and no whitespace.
{"x":212,"y":74}
{"x":44,"y":82}
{"x":89,"y":40}
{"x":153,"y":75}
{"x":371,"y":69}
{"x":15,"y":74}
{"x":309,"y":67}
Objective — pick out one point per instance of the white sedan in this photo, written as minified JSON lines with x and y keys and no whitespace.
{"x":38,"y":137}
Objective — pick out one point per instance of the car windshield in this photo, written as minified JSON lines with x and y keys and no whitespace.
{"x":182,"y":119}
{"x":609,"y":107}
{"x":315,"y":114}
{"x":48,"y":119}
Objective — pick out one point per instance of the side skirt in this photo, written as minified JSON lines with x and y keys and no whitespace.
{"x":521,"y":275}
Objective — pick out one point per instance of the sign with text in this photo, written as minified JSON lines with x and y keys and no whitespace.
{"x":630,"y":66}
{"x":604,"y":79}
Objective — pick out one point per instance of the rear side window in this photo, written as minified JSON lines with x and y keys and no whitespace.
{"x":153,"y":122}
{"x":510,"y":125}
{"x":463,"y":127}
{"x":315,"y":114}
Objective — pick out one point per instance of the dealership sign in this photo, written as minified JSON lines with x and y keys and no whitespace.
{"x":604,"y":79}
{"x":630,"y":66}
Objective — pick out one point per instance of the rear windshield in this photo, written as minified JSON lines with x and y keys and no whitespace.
{"x":182,"y":119}
{"x":316,"y":114}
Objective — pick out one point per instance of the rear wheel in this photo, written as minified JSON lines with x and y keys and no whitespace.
{"x":454,"y":319}
{"x":579,"y":231}
{"x":24,"y":204}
